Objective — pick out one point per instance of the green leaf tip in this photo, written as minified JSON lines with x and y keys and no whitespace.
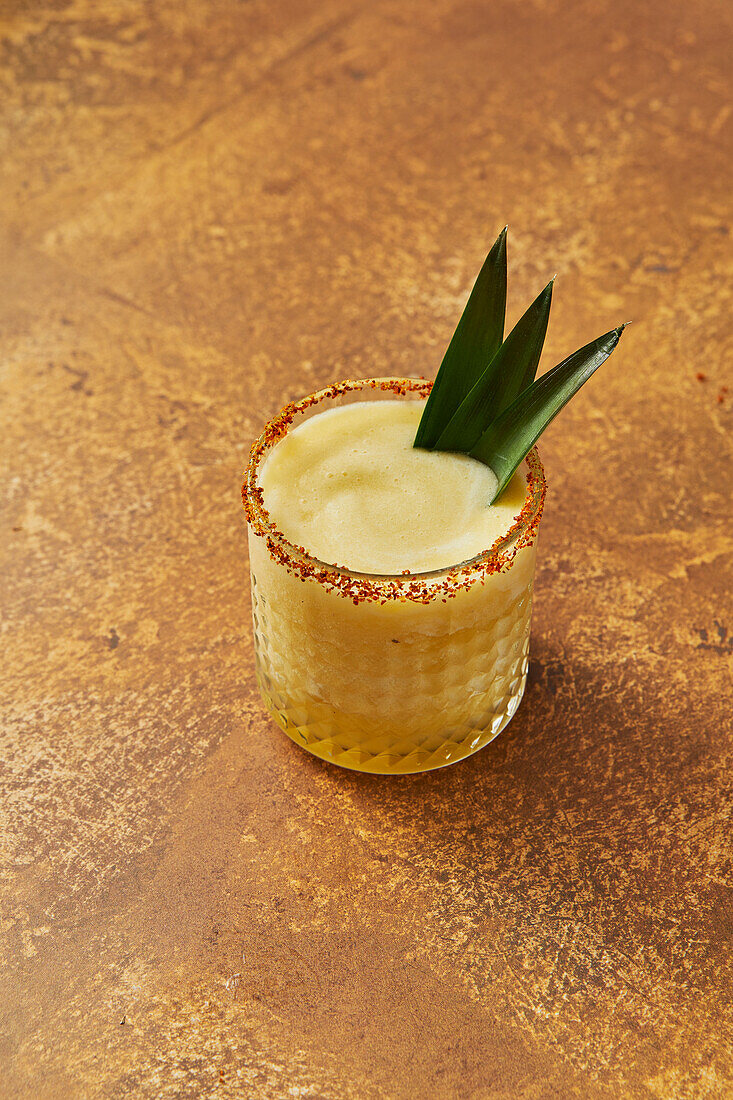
{"x":509,"y":438}
{"x":476,"y":340}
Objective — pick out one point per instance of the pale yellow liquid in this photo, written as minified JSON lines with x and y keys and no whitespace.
{"x":400,"y":686}
{"x":349,"y":486}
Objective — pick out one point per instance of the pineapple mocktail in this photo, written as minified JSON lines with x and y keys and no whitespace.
{"x":408,"y":649}
{"x":350,"y":487}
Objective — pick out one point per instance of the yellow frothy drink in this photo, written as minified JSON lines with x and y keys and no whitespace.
{"x":349,"y":486}
{"x":391,"y":601}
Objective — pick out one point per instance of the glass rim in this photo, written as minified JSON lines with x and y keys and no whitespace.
{"x":419,"y":586}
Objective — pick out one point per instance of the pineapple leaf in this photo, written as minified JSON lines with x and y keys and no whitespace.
{"x":474,"y":344}
{"x":508,"y":439}
{"x":509,"y":373}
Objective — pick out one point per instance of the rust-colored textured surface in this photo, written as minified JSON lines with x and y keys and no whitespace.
{"x":208,"y":208}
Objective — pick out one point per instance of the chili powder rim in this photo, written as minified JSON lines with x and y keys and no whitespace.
{"x":423,"y":587}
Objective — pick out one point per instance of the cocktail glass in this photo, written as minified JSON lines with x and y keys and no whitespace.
{"x":388,"y":674}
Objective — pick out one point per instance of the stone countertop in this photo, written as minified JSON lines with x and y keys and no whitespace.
{"x":208,"y":209}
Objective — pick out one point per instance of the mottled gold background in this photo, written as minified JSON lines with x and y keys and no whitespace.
{"x":207,"y":209}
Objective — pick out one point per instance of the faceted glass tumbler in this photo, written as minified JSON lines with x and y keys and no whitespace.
{"x":389,"y":674}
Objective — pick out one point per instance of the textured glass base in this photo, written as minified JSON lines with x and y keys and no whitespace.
{"x":390,"y":753}
{"x":392,"y":689}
